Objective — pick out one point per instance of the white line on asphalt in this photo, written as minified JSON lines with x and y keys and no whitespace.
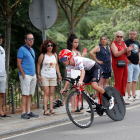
{"x":52,"y":127}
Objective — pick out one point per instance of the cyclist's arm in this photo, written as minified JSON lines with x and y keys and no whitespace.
{"x":81,"y":77}
{"x":66,"y":85}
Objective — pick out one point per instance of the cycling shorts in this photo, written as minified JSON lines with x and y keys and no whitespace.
{"x":93,"y":74}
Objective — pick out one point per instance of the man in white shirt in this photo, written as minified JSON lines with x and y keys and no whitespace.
{"x":2,"y":77}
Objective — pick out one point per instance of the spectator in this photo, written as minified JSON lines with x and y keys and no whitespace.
{"x":103,"y":58}
{"x":27,"y":76}
{"x":73,"y":45}
{"x":49,"y":61}
{"x":133,"y":65}
{"x":2,"y":78}
{"x":119,"y":51}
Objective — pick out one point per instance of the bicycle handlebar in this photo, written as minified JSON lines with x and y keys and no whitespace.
{"x":72,"y":80}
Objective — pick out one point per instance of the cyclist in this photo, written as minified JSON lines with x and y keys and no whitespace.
{"x":90,"y":71}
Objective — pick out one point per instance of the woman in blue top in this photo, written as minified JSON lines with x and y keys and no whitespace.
{"x":103,"y":58}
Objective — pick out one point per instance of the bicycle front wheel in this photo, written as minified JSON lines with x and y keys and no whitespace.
{"x":79,"y":109}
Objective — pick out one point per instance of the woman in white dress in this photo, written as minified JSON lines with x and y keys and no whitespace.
{"x":73,"y":45}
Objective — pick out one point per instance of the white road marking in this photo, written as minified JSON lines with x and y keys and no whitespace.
{"x":26,"y":133}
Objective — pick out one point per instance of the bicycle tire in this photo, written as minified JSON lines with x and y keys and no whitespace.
{"x":85,"y":119}
{"x":119,"y":110}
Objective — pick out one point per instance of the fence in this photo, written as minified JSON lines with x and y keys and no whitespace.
{"x":12,"y":103}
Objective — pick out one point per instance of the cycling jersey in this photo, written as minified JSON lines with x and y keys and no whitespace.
{"x":79,"y":64}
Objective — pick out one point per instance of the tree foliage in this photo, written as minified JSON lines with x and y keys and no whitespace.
{"x":123,"y":20}
{"x":116,"y":3}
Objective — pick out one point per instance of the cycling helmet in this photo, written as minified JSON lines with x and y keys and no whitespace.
{"x":65,"y":55}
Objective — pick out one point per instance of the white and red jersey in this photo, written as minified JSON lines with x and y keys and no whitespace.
{"x":79,"y":64}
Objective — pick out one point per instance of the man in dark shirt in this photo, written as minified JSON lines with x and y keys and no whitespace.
{"x":133,"y":65}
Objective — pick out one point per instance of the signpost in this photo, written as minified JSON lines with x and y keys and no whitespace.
{"x":43,"y":14}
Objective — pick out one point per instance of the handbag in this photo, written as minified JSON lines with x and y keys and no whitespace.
{"x":121,"y":63}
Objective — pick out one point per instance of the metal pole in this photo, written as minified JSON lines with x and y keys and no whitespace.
{"x":37,"y":89}
{"x":43,"y":19}
{"x":13,"y":103}
{"x":61,"y":89}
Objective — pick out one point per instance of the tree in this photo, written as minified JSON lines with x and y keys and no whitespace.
{"x":122,"y":19}
{"x":7,"y":9}
{"x":117,"y":3}
{"x":68,"y":7}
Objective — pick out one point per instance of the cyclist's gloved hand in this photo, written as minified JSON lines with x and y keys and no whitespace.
{"x":80,"y":83}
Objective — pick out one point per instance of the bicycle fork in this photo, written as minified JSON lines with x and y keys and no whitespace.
{"x":78,"y":101}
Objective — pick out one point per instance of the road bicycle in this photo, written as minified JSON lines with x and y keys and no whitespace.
{"x":84,"y":115}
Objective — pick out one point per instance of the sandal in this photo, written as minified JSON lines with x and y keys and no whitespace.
{"x":52,"y":112}
{"x":46,"y":114}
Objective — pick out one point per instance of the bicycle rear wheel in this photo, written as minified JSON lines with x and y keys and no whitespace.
{"x":85,"y":116}
{"x":119,"y":109}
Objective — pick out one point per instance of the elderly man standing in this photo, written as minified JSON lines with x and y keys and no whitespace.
{"x":2,"y":78}
{"x":133,"y":65}
{"x":27,"y":76}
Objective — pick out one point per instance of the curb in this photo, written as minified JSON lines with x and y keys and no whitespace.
{"x":33,"y":127}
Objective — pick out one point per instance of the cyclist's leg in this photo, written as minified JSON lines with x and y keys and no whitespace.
{"x":95,"y":79}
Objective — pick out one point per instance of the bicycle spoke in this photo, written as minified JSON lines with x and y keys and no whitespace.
{"x":78,"y":109}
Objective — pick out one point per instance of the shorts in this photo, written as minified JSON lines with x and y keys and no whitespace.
{"x":106,"y":75}
{"x":28,"y":84}
{"x":46,"y":81}
{"x":133,"y":72}
{"x":3,"y":84}
{"x":93,"y":74}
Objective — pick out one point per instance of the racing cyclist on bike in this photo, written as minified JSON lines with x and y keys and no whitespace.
{"x":90,"y":71}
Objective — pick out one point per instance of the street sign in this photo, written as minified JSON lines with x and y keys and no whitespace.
{"x":43,"y":13}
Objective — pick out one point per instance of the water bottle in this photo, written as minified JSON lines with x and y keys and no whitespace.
{"x":41,"y":103}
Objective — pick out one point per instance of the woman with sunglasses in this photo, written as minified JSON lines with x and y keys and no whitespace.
{"x":48,"y":62}
{"x":120,"y":51}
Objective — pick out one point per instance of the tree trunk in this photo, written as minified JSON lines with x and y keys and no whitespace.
{"x":71,"y":28}
{"x":7,"y":49}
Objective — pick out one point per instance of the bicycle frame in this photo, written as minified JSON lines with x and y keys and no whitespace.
{"x":82,"y":91}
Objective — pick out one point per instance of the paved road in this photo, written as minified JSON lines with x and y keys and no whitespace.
{"x":103,"y":128}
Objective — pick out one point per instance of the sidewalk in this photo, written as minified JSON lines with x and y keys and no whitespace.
{"x":17,"y":125}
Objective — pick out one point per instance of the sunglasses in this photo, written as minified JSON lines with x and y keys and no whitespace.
{"x":119,"y":36}
{"x":31,"y":39}
{"x":49,"y":45}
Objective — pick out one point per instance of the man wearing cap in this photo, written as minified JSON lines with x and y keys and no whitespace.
{"x":2,"y":78}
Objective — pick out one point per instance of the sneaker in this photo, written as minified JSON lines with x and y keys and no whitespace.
{"x":78,"y":111}
{"x":136,"y":97}
{"x":25,"y":116}
{"x":31,"y":114}
{"x":89,"y":111}
{"x":131,"y":98}
{"x":111,"y":103}
{"x":81,"y":108}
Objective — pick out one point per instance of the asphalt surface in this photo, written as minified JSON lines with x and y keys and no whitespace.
{"x":102,"y":128}
{"x":17,"y":125}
